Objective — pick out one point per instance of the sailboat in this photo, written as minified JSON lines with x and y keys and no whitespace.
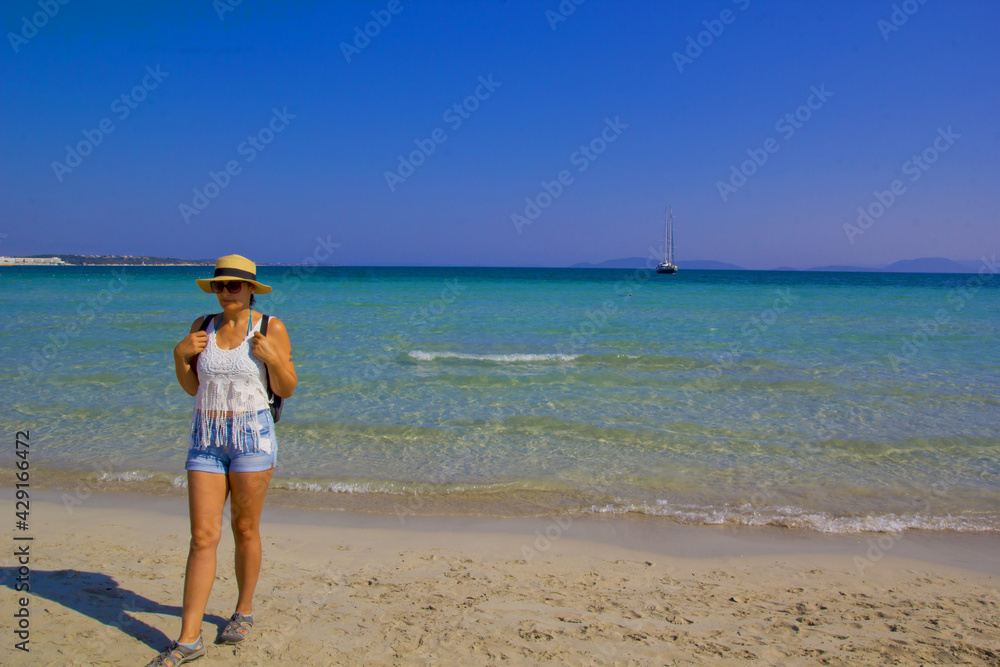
{"x":667,"y":265}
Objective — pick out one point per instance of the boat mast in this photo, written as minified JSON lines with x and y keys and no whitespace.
{"x":666,"y":238}
{"x":670,"y":236}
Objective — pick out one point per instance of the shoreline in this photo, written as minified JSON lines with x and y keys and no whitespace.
{"x":344,"y":588}
{"x":655,"y":535}
{"x":507,"y":500}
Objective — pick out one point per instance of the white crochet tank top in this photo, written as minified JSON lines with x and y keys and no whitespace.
{"x":231,"y":388}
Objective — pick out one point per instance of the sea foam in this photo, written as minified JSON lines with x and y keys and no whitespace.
{"x":420,"y":355}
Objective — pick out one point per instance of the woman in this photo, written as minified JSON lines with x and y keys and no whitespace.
{"x":225,"y":365}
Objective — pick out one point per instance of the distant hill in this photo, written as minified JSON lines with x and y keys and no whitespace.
{"x":928,"y":265}
{"x":922,"y":265}
{"x":640,"y":262}
{"x":842,"y":268}
{"x":708,"y":265}
{"x":623,"y":263}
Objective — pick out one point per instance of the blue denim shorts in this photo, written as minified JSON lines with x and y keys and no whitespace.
{"x":221,"y":457}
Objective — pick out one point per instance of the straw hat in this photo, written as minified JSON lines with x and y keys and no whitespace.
{"x":234,"y":267}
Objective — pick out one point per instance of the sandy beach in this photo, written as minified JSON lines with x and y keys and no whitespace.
{"x":350,"y":589}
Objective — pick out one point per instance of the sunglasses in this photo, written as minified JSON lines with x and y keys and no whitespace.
{"x":231,"y":286}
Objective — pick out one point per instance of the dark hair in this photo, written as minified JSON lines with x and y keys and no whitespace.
{"x":253,"y":300}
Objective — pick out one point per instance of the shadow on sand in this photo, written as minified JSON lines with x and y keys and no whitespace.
{"x":101,"y":597}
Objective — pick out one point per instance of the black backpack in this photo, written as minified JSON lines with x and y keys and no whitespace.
{"x":274,"y":401}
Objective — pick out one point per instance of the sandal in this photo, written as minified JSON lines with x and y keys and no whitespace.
{"x":178,"y":655}
{"x":237,"y":629}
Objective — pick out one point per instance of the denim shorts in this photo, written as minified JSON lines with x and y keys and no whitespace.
{"x":221,"y":457}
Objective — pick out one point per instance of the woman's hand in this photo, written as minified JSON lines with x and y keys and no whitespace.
{"x":275,"y":350}
{"x":263,"y":349}
{"x":191,"y":346}
{"x":186,"y":350}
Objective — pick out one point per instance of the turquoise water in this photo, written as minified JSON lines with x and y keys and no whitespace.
{"x":826,"y":401}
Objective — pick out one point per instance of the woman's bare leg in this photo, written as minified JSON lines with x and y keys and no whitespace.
{"x":206,"y":500}
{"x":248,"y":491}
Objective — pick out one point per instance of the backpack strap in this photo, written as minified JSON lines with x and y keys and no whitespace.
{"x":207,"y":320}
{"x":272,"y":398}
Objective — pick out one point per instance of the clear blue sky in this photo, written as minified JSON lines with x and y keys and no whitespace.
{"x":323,"y":174}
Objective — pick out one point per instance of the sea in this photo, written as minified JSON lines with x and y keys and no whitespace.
{"x":818,"y":401}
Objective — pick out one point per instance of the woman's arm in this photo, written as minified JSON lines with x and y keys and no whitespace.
{"x":275,"y":350}
{"x":185,"y":354}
